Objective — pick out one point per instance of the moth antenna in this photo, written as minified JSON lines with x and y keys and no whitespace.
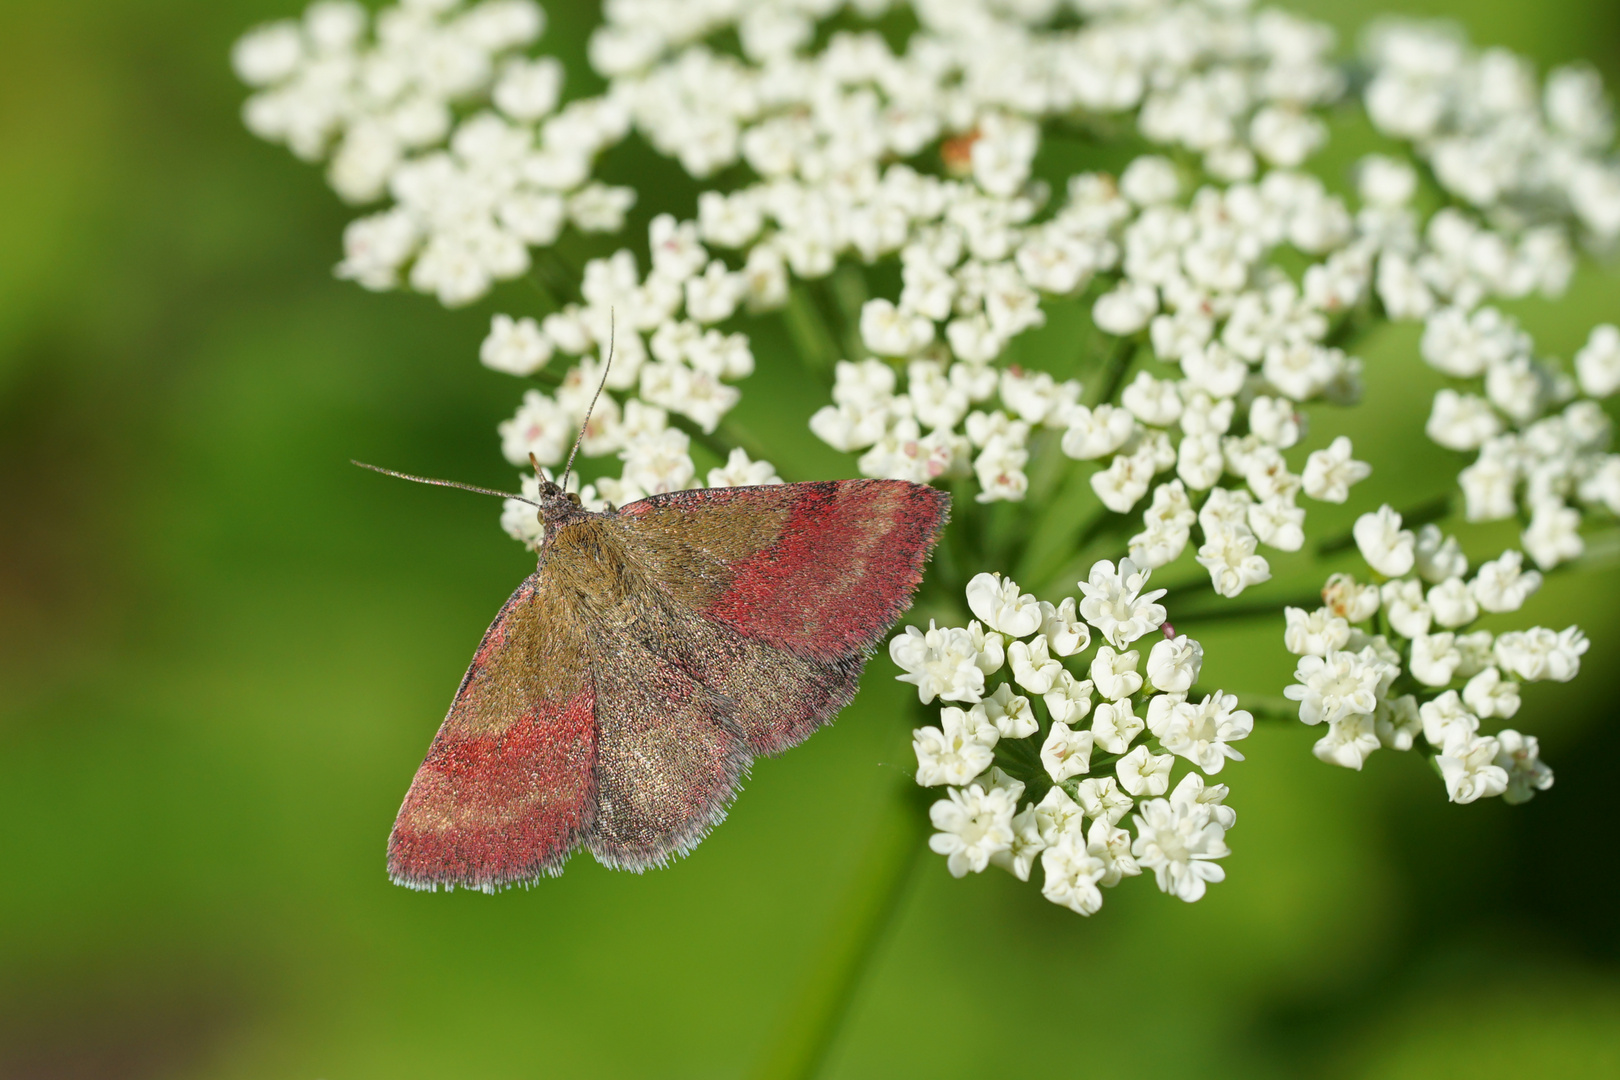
{"x":443,"y":483}
{"x":569,"y":468}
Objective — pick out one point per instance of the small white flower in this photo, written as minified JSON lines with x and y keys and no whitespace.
{"x":1142,"y":773}
{"x":1398,"y":722}
{"x":1065,"y":634}
{"x":1094,"y":433}
{"x":1478,"y":652}
{"x":1541,"y":653}
{"x":515,"y":346}
{"x":1152,"y":401}
{"x":959,"y":749}
{"x":1115,"y":604}
{"x":891,"y":331}
{"x":1032,"y":665}
{"x":1114,"y":726}
{"x":269,"y":53}
{"x":1158,"y":545}
{"x":1488,"y":487}
{"x":659,"y":463}
{"x":988,"y":646}
{"x":1228,"y":553}
{"x":540,"y":427}
{"x":1461,"y":421}
{"x":1406,"y":608}
{"x":1216,"y":370}
{"x":1333,"y":687}
{"x":1315,"y":634}
{"x":1348,"y":600}
{"x":1439,"y":557}
{"x":1071,"y":876}
{"x":1112,"y":845}
{"x":1435,"y":658}
{"x":1330,"y":473}
{"x":1150,"y":180}
{"x":1488,"y":694}
{"x":1520,"y":756}
{"x":1468,"y":767}
{"x":1349,"y":740}
{"x":1453,"y":604}
{"x":714,"y":295}
{"x":528,"y":90}
{"x":1445,"y":716}
{"x":1122,"y":485}
{"x":1009,"y":712}
{"x":1126,"y":309}
{"x":1385,"y":181}
{"x":1100,"y":797}
{"x":941,"y":663}
{"x":1277,"y":522}
{"x":1194,"y":791}
{"x":1069,"y":700}
{"x":1177,"y":841}
{"x":1386,"y":546}
{"x":1173,"y":664}
{"x":1019,"y":858}
{"x":1503,"y":584}
{"x":1114,"y":673}
{"x":973,"y":825}
{"x":998,"y":603}
{"x":1553,"y":535}
{"x":1066,"y":753}
{"x":1597,"y":364}
{"x":1058,"y":815}
{"x":740,"y":471}
{"x":1203,"y":733}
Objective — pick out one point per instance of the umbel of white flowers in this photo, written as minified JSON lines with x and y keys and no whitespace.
{"x":1039,"y":733}
{"x":1382,"y":665}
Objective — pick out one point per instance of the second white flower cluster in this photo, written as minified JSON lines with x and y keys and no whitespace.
{"x":1039,"y":734}
{"x":1383,"y":664}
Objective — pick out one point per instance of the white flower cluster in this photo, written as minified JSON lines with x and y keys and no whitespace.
{"x":1230,"y":334}
{"x":406,"y":113}
{"x":1040,"y":733}
{"x":1550,"y":467}
{"x":1381,"y":665}
{"x":979,"y":254}
{"x":1497,"y":138}
{"x":1208,"y":77}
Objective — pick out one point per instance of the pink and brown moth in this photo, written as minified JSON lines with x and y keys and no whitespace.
{"x":623,"y":690}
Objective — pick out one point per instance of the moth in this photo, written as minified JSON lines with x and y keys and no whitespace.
{"x":622,"y":692}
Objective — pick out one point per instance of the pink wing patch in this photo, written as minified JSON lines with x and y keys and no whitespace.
{"x":508,"y":787}
{"x":840,"y":572}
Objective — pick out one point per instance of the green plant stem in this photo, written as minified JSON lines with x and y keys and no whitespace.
{"x":1230,"y":611}
{"x":882,"y":882}
{"x":1112,"y":373}
{"x":812,"y":337}
{"x":848,"y":289}
{"x":553,"y":272}
{"x":1270,"y":708}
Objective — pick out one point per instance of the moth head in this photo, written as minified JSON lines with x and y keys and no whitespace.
{"x":554,"y":500}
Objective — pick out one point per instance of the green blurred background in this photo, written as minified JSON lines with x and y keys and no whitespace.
{"x":223,"y":651}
